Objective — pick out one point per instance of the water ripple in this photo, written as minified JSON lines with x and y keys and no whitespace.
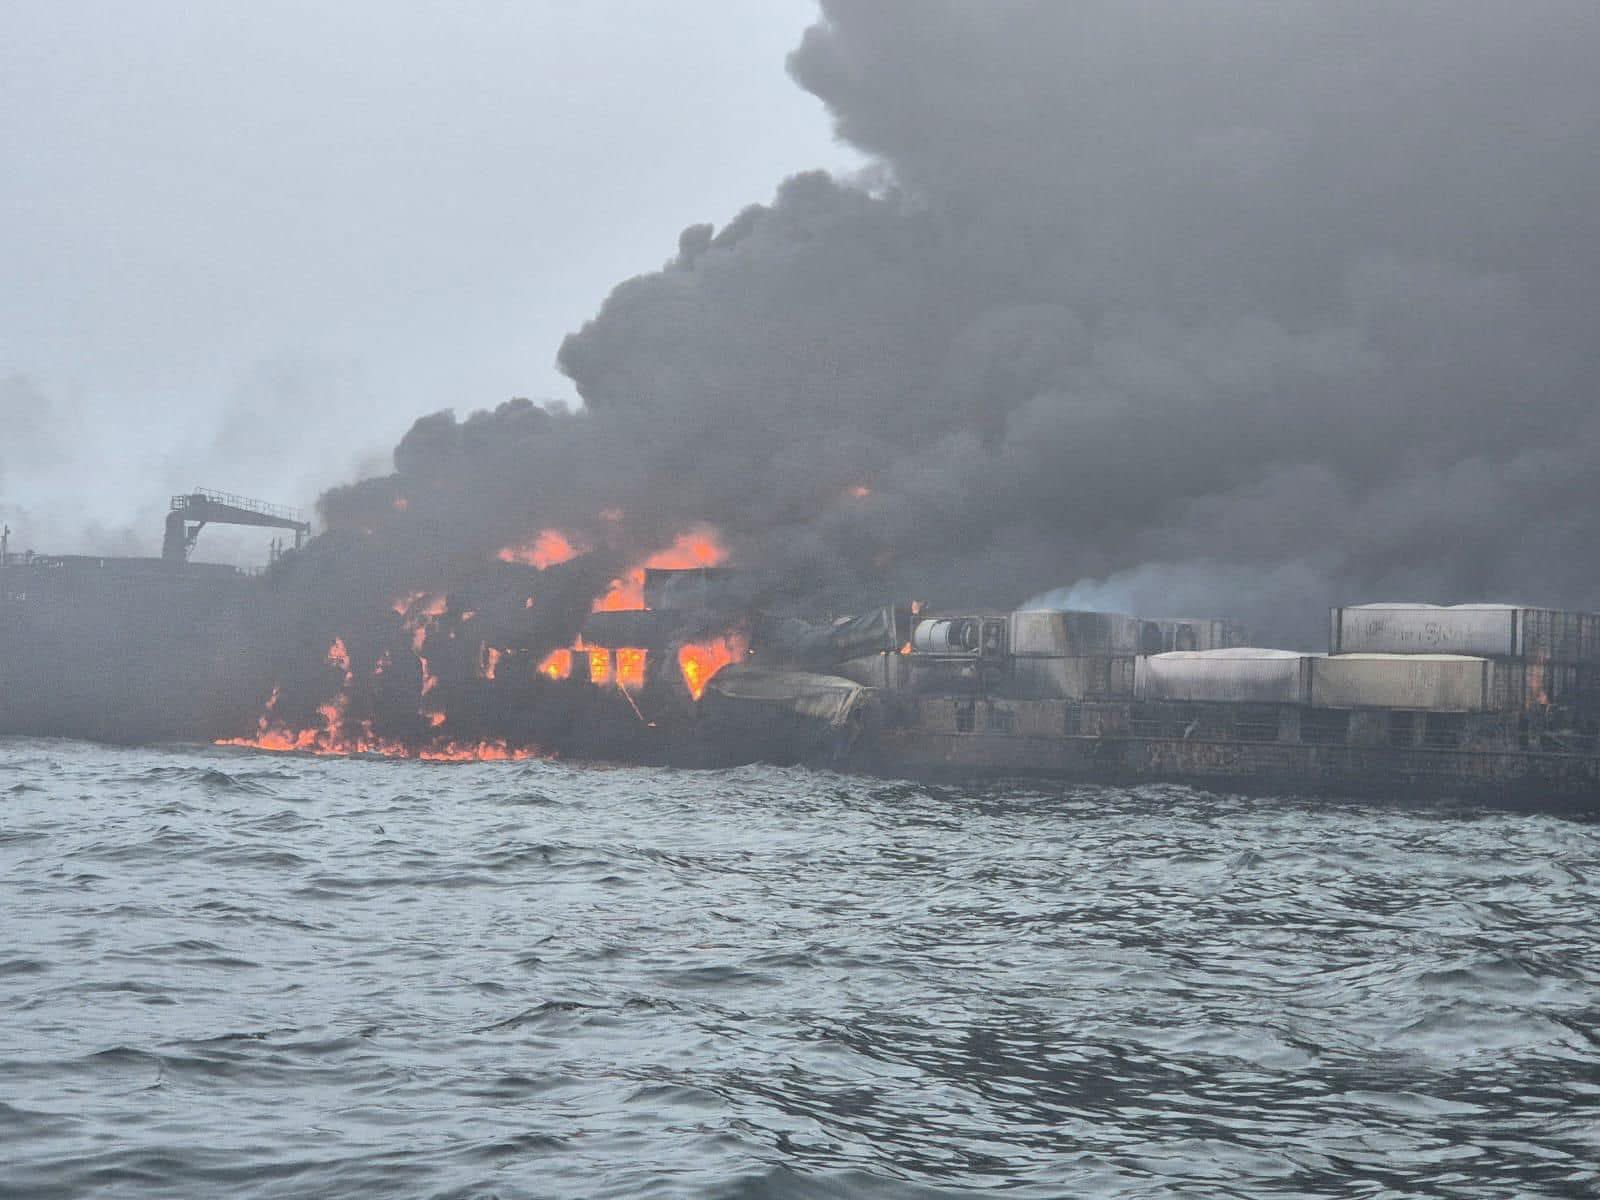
{"x":228,"y":974}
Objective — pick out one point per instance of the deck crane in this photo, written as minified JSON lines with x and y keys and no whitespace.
{"x":193,"y":511}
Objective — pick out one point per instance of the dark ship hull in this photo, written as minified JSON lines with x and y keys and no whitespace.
{"x":1126,"y":743}
{"x":124,"y":649}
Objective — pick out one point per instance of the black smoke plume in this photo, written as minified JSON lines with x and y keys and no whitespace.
{"x":1235,"y":307}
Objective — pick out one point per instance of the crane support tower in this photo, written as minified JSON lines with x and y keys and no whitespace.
{"x":192,"y":512}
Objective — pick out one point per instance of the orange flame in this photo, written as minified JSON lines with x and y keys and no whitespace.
{"x":630,"y":667}
{"x":405,"y":603}
{"x":280,"y":740}
{"x":339,"y":657}
{"x":557,"y":664}
{"x":699,"y":661}
{"x":698,"y":547}
{"x":489,"y":661}
{"x":548,"y":547}
{"x":420,"y":609}
{"x":599,"y":665}
{"x":336,"y":738}
{"x":861,"y":491}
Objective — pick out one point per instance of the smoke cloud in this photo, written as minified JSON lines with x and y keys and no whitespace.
{"x":1240,"y":307}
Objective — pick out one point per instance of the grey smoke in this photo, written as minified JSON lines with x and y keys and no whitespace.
{"x":1238,"y":307}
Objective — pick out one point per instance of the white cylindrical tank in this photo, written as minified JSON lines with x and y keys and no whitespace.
{"x":955,"y":635}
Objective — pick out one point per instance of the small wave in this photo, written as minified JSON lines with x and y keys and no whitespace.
{"x":558,"y":1011}
{"x":546,"y":979}
{"x":781,"y":1183}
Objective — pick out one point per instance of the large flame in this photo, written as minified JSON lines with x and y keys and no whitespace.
{"x":420,"y":612}
{"x":548,"y":547}
{"x":699,"y":661}
{"x":338,"y":737}
{"x":698,"y":547}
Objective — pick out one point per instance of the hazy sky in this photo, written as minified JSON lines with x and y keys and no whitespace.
{"x":244,"y":245}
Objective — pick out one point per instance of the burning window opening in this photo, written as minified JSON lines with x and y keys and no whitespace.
{"x":631,"y":667}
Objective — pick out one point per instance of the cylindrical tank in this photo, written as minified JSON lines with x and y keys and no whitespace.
{"x":949,"y":636}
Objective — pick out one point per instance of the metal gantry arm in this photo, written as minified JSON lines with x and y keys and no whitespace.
{"x":192,"y":512}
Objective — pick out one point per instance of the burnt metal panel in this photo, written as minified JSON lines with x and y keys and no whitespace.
{"x":1064,"y":633}
{"x":1244,"y":675}
{"x":1443,"y":682}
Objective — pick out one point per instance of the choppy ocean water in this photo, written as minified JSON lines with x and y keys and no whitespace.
{"x":226,"y":973}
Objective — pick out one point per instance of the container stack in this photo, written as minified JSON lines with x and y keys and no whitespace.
{"x":1060,"y":654}
{"x":1541,"y":657}
{"x":1250,"y":675}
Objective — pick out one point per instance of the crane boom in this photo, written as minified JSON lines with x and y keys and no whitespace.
{"x":193,"y":511}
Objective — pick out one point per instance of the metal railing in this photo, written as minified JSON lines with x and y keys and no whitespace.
{"x":280,"y":511}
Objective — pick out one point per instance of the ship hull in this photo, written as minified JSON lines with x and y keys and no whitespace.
{"x":919,"y":743}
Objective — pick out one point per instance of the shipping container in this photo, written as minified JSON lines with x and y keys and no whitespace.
{"x":1486,"y":630}
{"x":1084,"y":677}
{"x":1062,"y":633}
{"x":1245,"y":674}
{"x":1440,"y":682}
{"x":1531,"y":684}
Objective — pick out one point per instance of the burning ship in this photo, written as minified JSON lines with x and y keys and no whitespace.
{"x":555,"y":647}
